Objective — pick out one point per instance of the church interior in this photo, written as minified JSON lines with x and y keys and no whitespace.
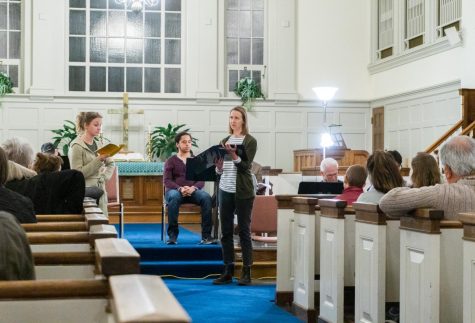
{"x":340,"y":79}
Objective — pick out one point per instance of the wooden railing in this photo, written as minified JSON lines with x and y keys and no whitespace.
{"x":444,"y":137}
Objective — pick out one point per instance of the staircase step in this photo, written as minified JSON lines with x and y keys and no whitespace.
{"x":176,"y":253}
{"x":260,"y":269}
{"x":188,"y":269}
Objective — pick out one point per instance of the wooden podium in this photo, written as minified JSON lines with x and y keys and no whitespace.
{"x":305,"y":159}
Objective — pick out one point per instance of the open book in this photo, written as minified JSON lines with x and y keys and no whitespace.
{"x":110,"y":149}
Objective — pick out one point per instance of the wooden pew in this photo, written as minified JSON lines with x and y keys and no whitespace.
{"x":376,"y":262}
{"x":468,"y":220}
{"x":285,"y":246}
{"x":110,"y":257}
{"x":67,"y":217}
{"x":134,"y":298}
{"x":431,"y":268}
{"x":337,"y":250}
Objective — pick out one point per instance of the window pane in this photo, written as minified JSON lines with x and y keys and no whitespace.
{"x":98,"y":50}
{"x":3,"y":69}
{"x":14,"y":43}
{"x":99,"y":4}
{"x":77,"y":22}
{"x":172,"y":80}
{"x":98,"y":23}
{"x":256,"y":76}
{"x":13,"y":73}
{"x":116,"y":50}
{"x":3,"y":43}
{"x":116,"y":79}
{"x":173,"y":25}
{"x":245,"y":73}
{"x":258,"y":4}
{"x":258,"y":24}
{"x":78,"y":3}
{"x":3,"y":16}
{"x":77,"y":49}
{"x":152,"y":80}
{"x":152,"y":51}
{"x":114,"y":5}
{"x":233,"y":4}
{"x":172,"y":51}
{"x":245,"y":4}
{"x":244,"y":51}
{"x":134,"y":79}
{"x":152,"y":24}
{"x":258,"y":51}
{"x":232,"y":50}
{"x":15,"y":16}
{"x":116,"y":24}
{"x":173,"y":5}
{"x":134,"y":51}
{"x":97,"y":79}
{"x":233,"y":78}
{"x":153,"y":7}
{"x":77,"y":78}
{"x":134,"y":24}
{"x":232,"y":24}
{"x":245,"y":24}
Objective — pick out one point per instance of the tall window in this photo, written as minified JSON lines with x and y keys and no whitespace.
{"x":385,"y":28}
{"x":415,"y":25}
{"x":244,"y":40}
{"x":10,"y":38}
{"x":115,"y":49}
{"x":448,"y":15}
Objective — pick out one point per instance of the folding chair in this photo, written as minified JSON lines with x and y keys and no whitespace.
{"x":113,"y":199}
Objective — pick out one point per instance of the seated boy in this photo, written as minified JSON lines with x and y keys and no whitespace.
{"x":355,"y":179}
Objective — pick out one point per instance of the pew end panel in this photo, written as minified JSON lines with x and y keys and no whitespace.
{"x":116,"y":257}
{"x":468,"y":220}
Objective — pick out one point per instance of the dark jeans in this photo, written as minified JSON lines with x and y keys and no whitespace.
{"x":175,"y":199}
{"x":228,"y":205}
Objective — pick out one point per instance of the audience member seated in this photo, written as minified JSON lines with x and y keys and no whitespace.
{"x":49,"y":148}
{"x":397,"y":157}
{"x":179,"y":190}
{"x":384,"y":175}
{"x":16,"y":171}
{"x":425,"y":171}
{"x":355,"y":180}
{"x":19,"y":151}
{"x":52,"y":191}
{"x":457,"y":195}
{"x":329,"y":170}
{"x":18,"y":205}
{"x":16,"y":260}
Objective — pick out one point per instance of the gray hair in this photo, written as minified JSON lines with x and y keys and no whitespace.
{"x":459,"y":154}
{"x":19,"y":150}
{"x":327,"y":162}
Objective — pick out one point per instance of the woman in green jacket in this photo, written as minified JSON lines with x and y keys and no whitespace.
{"x":97,"y":169}
{"x":236,"y":195}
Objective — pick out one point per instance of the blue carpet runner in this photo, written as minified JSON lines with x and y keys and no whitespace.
{"x":186,"y":259}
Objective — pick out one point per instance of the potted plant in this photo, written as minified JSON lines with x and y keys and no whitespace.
{"x":162,"y":141}
{"x":249,"y":91}
{"x":6,"y":84}
{"x":64,"y":136}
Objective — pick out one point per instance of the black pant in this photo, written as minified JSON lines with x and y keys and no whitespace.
{"x":228,"y":205}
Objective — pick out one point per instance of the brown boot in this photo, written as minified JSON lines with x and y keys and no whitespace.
{"x":245,"y":276}
{"x":226,"y":277}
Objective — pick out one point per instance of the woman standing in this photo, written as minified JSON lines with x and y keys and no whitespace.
{"x":236,"y":195}
{"x":97,"y":169}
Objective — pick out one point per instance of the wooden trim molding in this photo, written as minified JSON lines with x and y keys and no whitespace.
{"x":468,"y":221}
{"x":423,"y":220}
{"x":334,"y":208}
{"x":285,"y":201}
{"x":284,"y":298}
{"x":308,"y":315}
{"x":64,"y":258}
{"x":369,"y":213}
{"x":305,"y":205}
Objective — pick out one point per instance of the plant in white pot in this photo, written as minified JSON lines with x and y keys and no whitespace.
{"x":249,"y":90}
{"x":6,"y":84}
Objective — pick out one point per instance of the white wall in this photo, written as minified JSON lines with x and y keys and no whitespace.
{"x":333,"y":47}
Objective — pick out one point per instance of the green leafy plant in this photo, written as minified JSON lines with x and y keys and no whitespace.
{"x":249,"y":91}
{"x":6,"y":84}
{"x":64,"y":136}
{"x":163,"y":141}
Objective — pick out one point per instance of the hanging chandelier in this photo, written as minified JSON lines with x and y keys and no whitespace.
{"x":137,"y":5}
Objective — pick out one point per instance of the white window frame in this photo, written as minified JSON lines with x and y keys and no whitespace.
{"x":87,"y":64}
{"x":15,"y":61}
{"x":434,"y":41}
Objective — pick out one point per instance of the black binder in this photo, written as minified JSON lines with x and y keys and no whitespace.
{"x":320,"y":188}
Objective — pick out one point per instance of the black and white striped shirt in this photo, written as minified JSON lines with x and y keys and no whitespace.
{"x":228,"y":178}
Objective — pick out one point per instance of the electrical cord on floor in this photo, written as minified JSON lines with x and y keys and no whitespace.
{"x":208,"y":276}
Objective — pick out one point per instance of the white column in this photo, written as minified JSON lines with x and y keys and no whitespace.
{"x":282,"y":82}
{"x":468,"y":34}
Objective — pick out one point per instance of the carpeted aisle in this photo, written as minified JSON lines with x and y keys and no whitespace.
{"x":206,"y":302}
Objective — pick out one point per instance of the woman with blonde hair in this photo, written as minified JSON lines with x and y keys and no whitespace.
{"x":425,"y":171}
{"x":97,"y":169}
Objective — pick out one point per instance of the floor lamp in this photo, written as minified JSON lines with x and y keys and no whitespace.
{"x":325,"y":94}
